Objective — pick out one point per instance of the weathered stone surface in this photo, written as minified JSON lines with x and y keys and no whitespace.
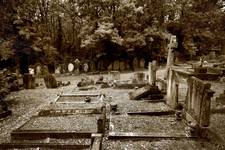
{"x":50,"y":81}
{"x":70,"y":67}
{"x":135,"y":63}
{"x":142,"y":63}
{"x":116,"y":65}
{"x":122,"y":65}
{"x":28,"y":81}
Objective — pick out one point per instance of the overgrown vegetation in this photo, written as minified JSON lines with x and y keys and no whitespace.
{"x":50,"y":30}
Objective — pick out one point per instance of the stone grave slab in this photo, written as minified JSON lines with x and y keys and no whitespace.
{"x":62,"y":109}
{"x":80,"y":98}
{"x":60,"y":127}
{"x":144,"y":108}
{"x":146,"y":127}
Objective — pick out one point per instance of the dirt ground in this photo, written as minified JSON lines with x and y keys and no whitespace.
{"x":26,"y":103}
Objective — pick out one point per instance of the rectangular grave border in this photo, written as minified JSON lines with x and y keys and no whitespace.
{"x":20,"y":133}
{"x":146,"y":135}
{"x":99,"y":98}
{"x":96,"y":144}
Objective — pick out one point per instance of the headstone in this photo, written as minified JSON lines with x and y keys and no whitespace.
{"x":116,"y":65}
{"x":140,"y":93}
{"x":110,"y":67}
{"x":142,"y":63}
{"x":122,"y":65}
{"x":77,"y":65}
{"x":50,"y":81}
{"x":152,"y":72}
{"x":70,"y":67}
{"x":31,"y":71}
{"x":28,"y":81}
{"x":58,"y":70}
{"x":45,"y":70}
{"x":135,"y":63}
{"x":92,"y":66}
{"x":38,"y":70}
{"x":85,"y":67}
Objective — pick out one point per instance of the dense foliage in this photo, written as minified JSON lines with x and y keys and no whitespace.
{"x":59,"y":29}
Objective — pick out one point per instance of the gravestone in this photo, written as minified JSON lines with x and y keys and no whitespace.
{"x":77,"y":65}
{"x":110,"y":67}
{"x":152,"y":72}
{"x":85,"y":67}
{"x":38,"y":70}
{"x":122,"y":65}
{"x":135,"y":63}
{"x":70,"y":67}
{"x":116,"y":65}
{"x":92,"y":66}
{"x":31,"y":71}
{"x":58,"y":70}
{"x":28,"y":81}
{"x":45,"y":70}
{"x":50,"y":81}
{"x":142,"y":63}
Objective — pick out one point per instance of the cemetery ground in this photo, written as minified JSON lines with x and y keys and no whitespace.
{"x":26,"y":103}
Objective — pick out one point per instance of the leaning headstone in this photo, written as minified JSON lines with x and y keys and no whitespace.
{"x":142,"y":63}
{"x":122,"y":65}
{"x":135,"y":63}
{"x":85,"y":67}
{"x":70,"y":67}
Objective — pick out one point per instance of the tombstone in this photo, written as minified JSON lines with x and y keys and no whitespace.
{"x":70,"y":67}
{"x":152,"y":73}
{"x":92,"y":66}
{"x":77,"y":65}
{"x":50,"y":81}
{"x":58,"y":70}
{"x":31,"y":71}
{"x":122,"y":65}
{"x":85,"y":67}
{"x":38,"y":70}
{"x":116,"y":65}
{"x":28,"y":81}
{"x":45,"y":70}
{"x":142,"y":63}
{"x":110,"y":67}
{"x":135,"y":63}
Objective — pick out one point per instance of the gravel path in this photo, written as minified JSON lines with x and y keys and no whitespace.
{"x":26,"y":103}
